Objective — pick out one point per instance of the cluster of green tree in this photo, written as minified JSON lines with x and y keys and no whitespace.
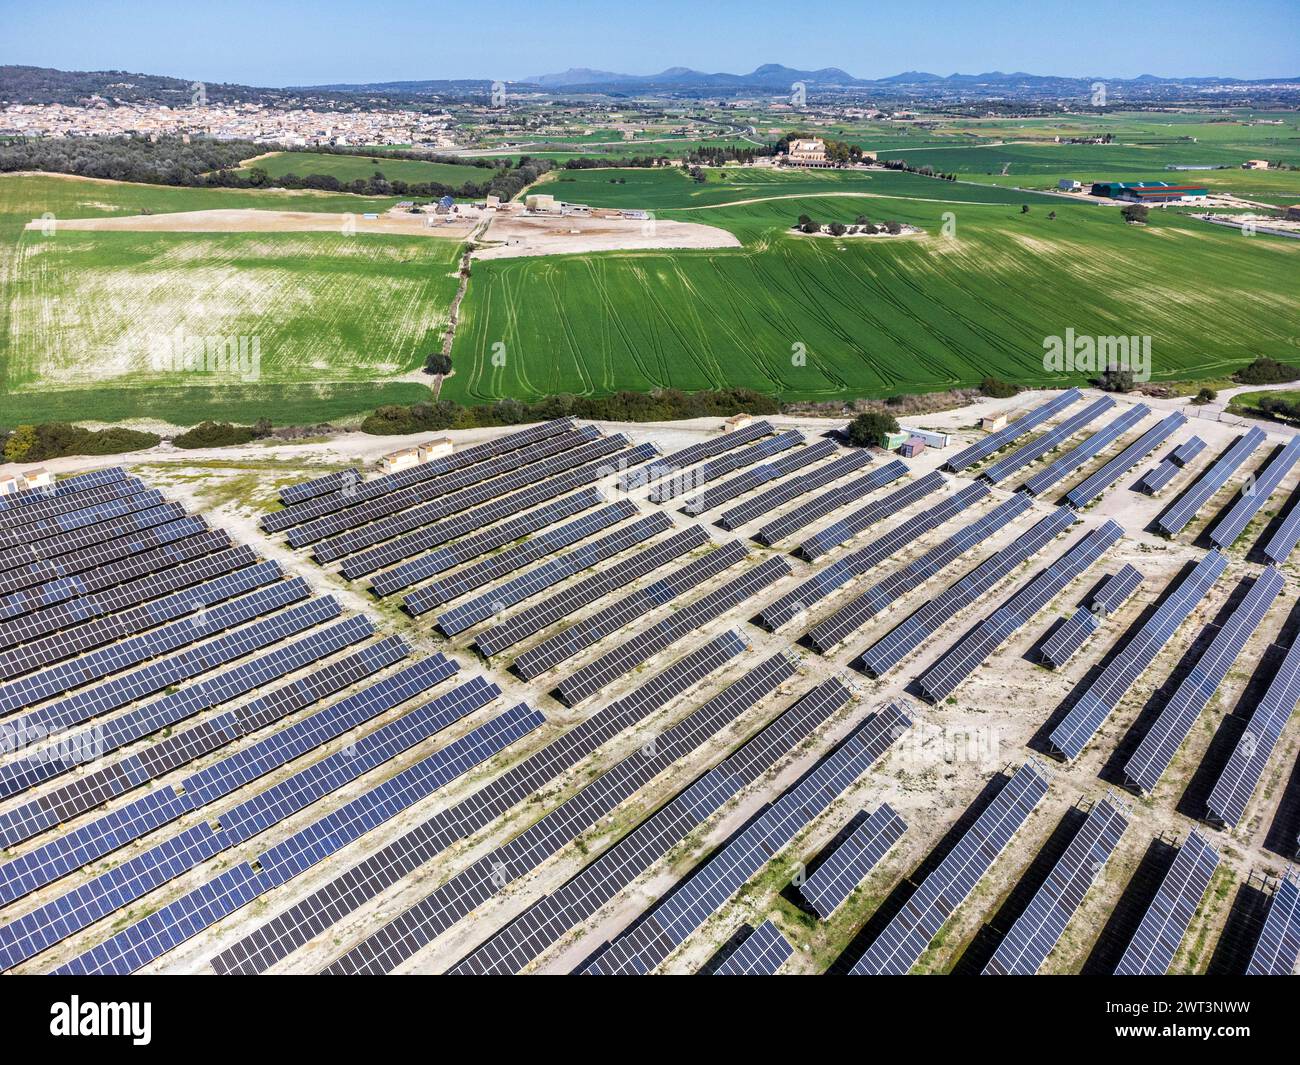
{"x":1280,"y":409}
{"x":924,"y":171}
{"x":861,"y":224}
{"x":631,"y":162}
{"x":696,"y":173}
{"x":437,"y":363}
{"x":53,"y":440}
{"x":842,"y":153}
{"x":222,"y":434}
{"x":729,"y":154}
{"x":662,"y":405}
{"x":1116,"y":379}
{"x":1136,"y":212}
{"x":867,"y":430}
{"x":1266,"y":371}
{"x":996,"y":388}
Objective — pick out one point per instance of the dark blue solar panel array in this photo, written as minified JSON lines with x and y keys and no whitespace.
{"x":960,"y":661}
{"x":688,"y":456}
{"x":1175,"y":519}
{"x":343,"y":479}
{"x":688,"y":480}
{"x":780,"y":494}
{"x":1255,"y":494}
{"x":1048,"y":476}
{"x":1036,"y":931}
{"x":53,"y":506}
{"x":902,"y":942}
{"x":819,"y":506}
{"x":1066,"y":641}
{"x":795,"y":603}
{"x":1116,"y":591}
{"x":562,"y":605}
{"x":1283,"y":541}
{"x":1149,"y":762}
{"x":14,"y":541}
{"x":44,"y":555}
{"x":762,"y":953}
{"x":1237,"y":782}
{"x":849,"y":618}
{"x":839,"y":875}
{"x":583,"y":634}
{"x":592,"y":677}
{"x":1102,"y":696}
{"x":1084,"y":493}
{"x":1278,"y":948}
{"x":1157,"y":938}
{"x":1188,"y":450}
{"x":160,"y":932}
{"x":851,"y":525}
{"x":547,"y":575}
{"x":1158,"y":476}
{"x":545,"y":542}
{"x":512,"y":948}
{"x":763,"y":473}
{"x":142,"y":872}
{"x":384,"y":949}
{"x":649,"y":942}
{"x":421,"y":844}
{"x":14,"y":503}
{"x":982,"y":449}
{"x":1049,"y":441}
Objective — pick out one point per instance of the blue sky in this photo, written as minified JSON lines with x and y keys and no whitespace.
{"x":270,"y":43}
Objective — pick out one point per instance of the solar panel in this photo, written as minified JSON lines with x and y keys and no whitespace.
{"x":763,"y":473}
{"x":1175,"y":519}
{"x":65,"y":676}
{"x":98,"y":555}
{"x":402,"y":534}
{"x":828,"y":888}
{"x":333,"y":515}
{"x":1187,"y":450}
{"x":116,"y":575}
{"x":507,"y":561}
{"x":334,"y":481}
{"x":1250,"y":755}
{"x":969,"y":653}
{"x":1283,"y":541}
{"x":1049,"y":441}
{"x":902,"y":942}
{"x":480,"y":543}
{"x":544,"y":922}
{"x":780,"y":494}
{"x":421,"y":844}
{"x":795,"y":603}
{"x":926,"y":620}
{"x":670,"y":922}
{"x":583,"y":634}
{"x":1255,"y":494}
{"x":400,"y":938}
{"x":526,"y":585}
{"x":1065,"y":642}
{"x":762,"y":953}
{"x":851,"y":525}
{"x":1279,"y":944}
{"x":108,"y":736}
{"x":50,"y":550}
{"x":1102,"y":696}
{"x":849,"y":618}
{"x":1174,"y":724}
{"x":62,"y":524}
{"x":563,"y":604}
{"x":177,"y":922}
{"x":1045,"y":478}
{"x":1037,"y":931}
{"x":688,"y":480}
{"x":592,"y":677}
{"x":1158,"y":476}
{"x":54,"y":506}
{"x":688,"y":456}
{"x":15,"y":502}
{"x":1116,"y":591}
{"x":982,"y":449}
{"x":1158,"y":936}
{"x":819,"y":506}
{"x":1085,"y":492}
{"x":142,"y":872}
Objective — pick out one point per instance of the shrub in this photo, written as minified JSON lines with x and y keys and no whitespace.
{"x":1205,"y":395}
{"x":1266,"y":371}
{"x":1113,"y":379}
{"x":996,"y":388}
{"x":52,"y":440}
{"x":215,"y":434}
{"x":437,"y":363}
{"x":871,"y":428}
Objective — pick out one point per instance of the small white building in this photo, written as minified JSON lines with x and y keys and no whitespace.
{"x":932,"y":439}
{"x":38,"y":478}
{"x":993,"y":422}
{"x":9,"y":485}
{"x":737,"y":421}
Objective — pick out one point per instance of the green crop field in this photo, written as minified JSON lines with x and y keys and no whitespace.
{"x":811,"y":318}
{"x":353,"y":167}
{"x":114,"y":325}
